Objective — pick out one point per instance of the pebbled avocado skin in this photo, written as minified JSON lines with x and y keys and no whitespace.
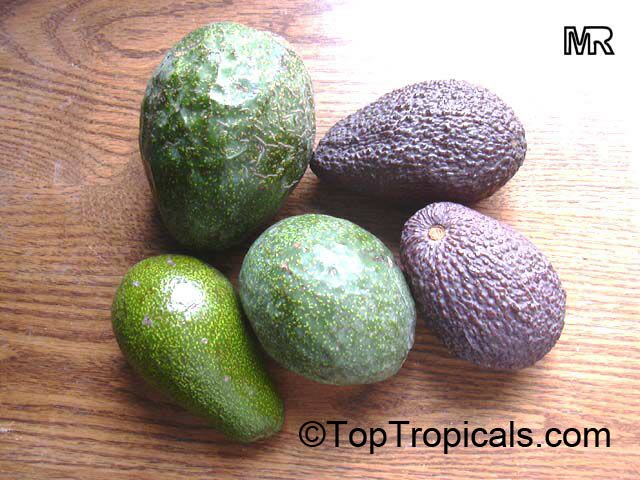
{"x":437,"y":140}
{"x":179,"y":324}
{"x":226,"y":132}
{"x":327,"y":300}
{"x":487,"y":291}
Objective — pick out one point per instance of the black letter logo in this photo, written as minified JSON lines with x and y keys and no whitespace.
{"x":591,"y":38}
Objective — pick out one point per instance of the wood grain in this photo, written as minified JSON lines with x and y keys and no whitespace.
{"x":76,"y":213}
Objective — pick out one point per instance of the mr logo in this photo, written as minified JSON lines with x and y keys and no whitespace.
{"x":592,"y":37}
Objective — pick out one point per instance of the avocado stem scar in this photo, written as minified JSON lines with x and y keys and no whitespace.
{"x":436,"y":232}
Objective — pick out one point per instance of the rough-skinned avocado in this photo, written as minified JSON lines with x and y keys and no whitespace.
{"x":437,"y":140}
{"x":486,"y":290}
{"x":226,"y":132}
{"x":327,"y":300}
{"x":179,"y":324}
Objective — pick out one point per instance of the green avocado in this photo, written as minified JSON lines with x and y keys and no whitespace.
{"x":179,"y":324}
{"x":327,"y":300}
{"x":226,"y":132}
{"x":486,"y":290}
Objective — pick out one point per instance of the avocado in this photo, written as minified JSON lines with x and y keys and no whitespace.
{"x":179,"y":324}
{"x":486,"y":290}
{"x":432,"y":141}
{"x":226,"y":132}
{"x":327,"y":300}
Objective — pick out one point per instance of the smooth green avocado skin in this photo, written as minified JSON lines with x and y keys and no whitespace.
{"x":327,"y":300}
{"x":179,"y":324}
{"x":226,"y":132}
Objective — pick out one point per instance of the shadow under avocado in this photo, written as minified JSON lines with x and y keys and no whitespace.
{"x":384,"y":219}
{"x":162,"y":419}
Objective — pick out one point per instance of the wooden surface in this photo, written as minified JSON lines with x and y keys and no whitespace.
{"x":76,"y":213}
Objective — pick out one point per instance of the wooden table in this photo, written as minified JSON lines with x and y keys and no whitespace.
{"x":76,"y":213}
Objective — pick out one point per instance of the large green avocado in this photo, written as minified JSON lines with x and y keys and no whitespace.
{"x":489,"y":293}
{"x":226,"y":132}
{"x":438,"y":140}
{"x":179,"y":324}
{"x":327,"y":300}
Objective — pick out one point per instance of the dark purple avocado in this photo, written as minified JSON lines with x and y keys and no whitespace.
{"x":486,"y":290}
{"x":432,"y":141}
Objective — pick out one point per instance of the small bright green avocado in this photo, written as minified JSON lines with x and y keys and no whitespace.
{"x":179,"y":324}
{"x":226,"y":132}
{"x":327,"y":300}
